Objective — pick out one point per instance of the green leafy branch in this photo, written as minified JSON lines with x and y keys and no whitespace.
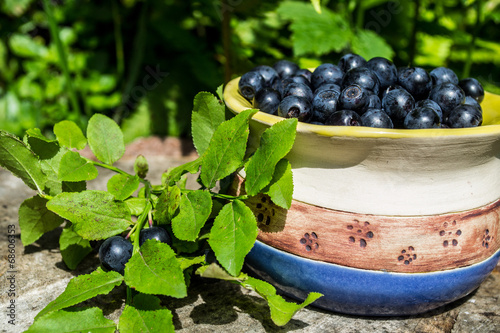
{"x":199,"y":221}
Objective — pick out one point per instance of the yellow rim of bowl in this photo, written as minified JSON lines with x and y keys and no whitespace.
{"x":491,"y":120}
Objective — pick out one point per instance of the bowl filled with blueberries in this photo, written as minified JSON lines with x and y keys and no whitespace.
{"x":396,"y":173}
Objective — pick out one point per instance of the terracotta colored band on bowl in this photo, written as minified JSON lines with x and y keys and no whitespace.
{"x":406,"y":244}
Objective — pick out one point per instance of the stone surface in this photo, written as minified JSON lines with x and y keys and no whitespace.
{"x":211,"y":306}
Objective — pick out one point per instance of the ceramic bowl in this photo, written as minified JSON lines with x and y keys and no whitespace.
{"x":383,"y":222}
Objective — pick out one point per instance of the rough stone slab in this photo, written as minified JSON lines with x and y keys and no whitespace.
{"x":211,"y":306}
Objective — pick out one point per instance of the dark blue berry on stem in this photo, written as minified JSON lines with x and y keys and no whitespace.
{"x":376,"y":118}
{"x":324,"y":104}
{"x":442,"y":75}
{"x":268,"y":73}
{"x":416,"y":81}
{"x":420,"y":118}
{"x":448,"y":96}
{"x":286,"y":68}
{"x":344,"y":118}
{"x":385,"y":70}
{"x":363,"y":77}
{"x":326,"y":73}
{"x":350,"y":61}
{"x":465,"y":116}
{"x":115,"y":252}
{"x":267,"y":100}
{"x":250,"y":83}
{"x":157,"y":233}
{"x":295,"y":107}
{"x":472,"y":88}
{"x":398,"y":103}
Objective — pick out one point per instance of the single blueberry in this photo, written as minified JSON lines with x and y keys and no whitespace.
{"x":115,"y":252}
{"x":267,"y":100}
{"x":157,"y":233}
{"x":305,"y":73}
{"x":326,"y":73}
{"x":374,"y":102}
{"x":363,"y":77}
{"x":465,"y":116}
{"x":268,"y":73}
{"x":328,"y":86}
{"x":416,"y":81}
{"x":428,"y":103}
{"x":324,"y":104}
{"x":387,"y":89}
{"x":295,"y":79}
{"x":250,"y":83}
{"x":354,"y":98}
{"x":385,"y":70}
{"x":298,"y":89}
{"x":376,"y":118}
{"x":441,"y":75}
{"x":344,"y":118}
{"x":472,"y":88}
{"x":398,"y":103}
{"x":350,"y":61}
{"x":471,"y":101}
{"x":295,"y":107}
{"x":448,"y":96}
{"x":420,"y":118}
{"x":285,"y":68}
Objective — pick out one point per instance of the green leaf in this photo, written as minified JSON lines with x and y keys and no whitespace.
{"x":73,"y":320}
{"x":74,"y":168}
{"x":317,"y":5}
{"x":281,"y":310}
{"x":233,"y":234}
{"x":226,"y":150}
{"x":167,"y":204}
{"x":122,"y":186}
{"x":314,"y":33}
{"x":214,"y":271}
{"x":145,"y":314}
{"x":94,"y":214}
{"x":73,"y":247}
{"x":281,"y":187}
{"x":194,"y":210}
{"x":187,"y":262}
{"x":275,"y":143}
{"x":16,"y":157}
{"x":50,"y":167}
{"x":35,"y":219}
{"x":84,"y":287}
{"x":70,"y":135}
{"x":208,"y":114}
{"x":40,"y":145}
{"x":154,"y":269}
{"x":136,"y":205}
{"x":369,"y":45}
{"x":173,"y":175}
{"x":105,"y":139}
{"x":25,"y":46}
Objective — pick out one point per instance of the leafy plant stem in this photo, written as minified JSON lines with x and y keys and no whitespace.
{"x":147,"y":183}
{"x":140,"y":224}
{"x":54,"y":32}
{"x":472,"y":44}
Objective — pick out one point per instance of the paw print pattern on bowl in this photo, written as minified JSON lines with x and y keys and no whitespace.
{"x":408,"y":256}
{"x":450,"y":233}
{"x":360,"y":231}
{"x":310,"y":241}
{"x":487,"y":238}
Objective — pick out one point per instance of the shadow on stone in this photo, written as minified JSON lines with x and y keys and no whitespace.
{"x":48,"y":241}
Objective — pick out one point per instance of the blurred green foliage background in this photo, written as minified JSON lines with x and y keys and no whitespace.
{"x":142,"y":62}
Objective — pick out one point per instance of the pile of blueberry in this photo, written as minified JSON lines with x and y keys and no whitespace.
{"x":370,"y":93}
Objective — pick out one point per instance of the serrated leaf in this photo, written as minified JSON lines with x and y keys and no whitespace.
{"x":122,"y":186}
{"x":226,"y":150}
{"x":74,"y":168}
{"x":275,"y":143}
{"x":70,"y":135}
{"x":208,"y":113}
{"x":220,"y":92}
{"x":136,"y":205}
{"x":35,"y":219}
{"x":94,"y":214}
{"x":233,"y":234}
{"x":281,"y":310}
{"x":194,"y":210}
{"x":16,"y":157}
{"x":281,"y":187}
{"x":105,"y":139}
{"x":73,"y":320}
{"x":173,"y":175}
{"x":314,"y":33}
{"x":167,"y":204}
{"x":145,"y":314}
{"x":40,"y":145}
{"x":154,"y":269}
{"x":368,"y":44}
{"x":84,"y":287}
{"x":187,"y":262}
{"x":74,"y":248}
